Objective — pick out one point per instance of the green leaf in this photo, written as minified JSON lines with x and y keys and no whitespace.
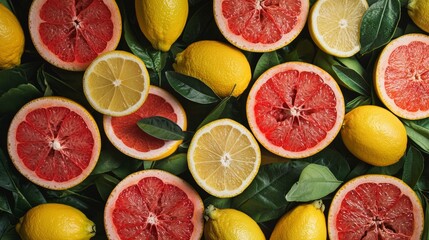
{"x":191,"y":88}
{"x":6,"y":181}
{"x":175,"y":164}
{"x":108,"y":161}
{"x":418,"y":132}
{"x":161,"y":128}
{"x":4,"y":205}
{"x":17,"y":97}
{"x":265,"y":62}
{"x":11,"y":78}
{"x":218,"y":202}
{"x":221,"y":110}
{"x":352,"y":80}
{"x":304,"y":51}
{"x":357,"y":101}
{"x":379,"y":24}
{"x":315,"y":182}
{"x":413,"y":166}
{"x":128,"y":166}
{"x":387,"y":170}
{"x":105,"y":184}
{"x":197,"y":24}
{"x":332,"y":159}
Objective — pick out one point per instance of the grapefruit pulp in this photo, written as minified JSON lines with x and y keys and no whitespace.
{"x":70,"y":34}
{"x":375,"y":207}
{"x":153,"y":204}
{"x":295,"y":109}
{"x":54,"y":142}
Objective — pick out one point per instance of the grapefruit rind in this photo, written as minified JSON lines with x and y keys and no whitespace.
{"x":415,"y":74}
{"x":242,"y":43}
{"x":167,"y":178}
{"x":45,"y":102}
{"x":335,"y":205}
{"x":154,"y":154}
{"x":300,"y":67}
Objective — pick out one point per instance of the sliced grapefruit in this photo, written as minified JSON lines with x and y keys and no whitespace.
{"x":54,"y":142}
{"x":375,"y":207}
{"x":127,"y":137}
{"x":402,"y":76}
{"x":295,"y":109}
{"x":260,"y":26}
{"x":153,"y":204}
{"x":70,"y":34}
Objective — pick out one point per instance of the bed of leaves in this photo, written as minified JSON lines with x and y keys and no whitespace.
{"x":279,"y":185}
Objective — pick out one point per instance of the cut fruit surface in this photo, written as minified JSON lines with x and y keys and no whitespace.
{"x":224,"y":157}
{"x":54,"y":142}
{"x":295,"y":109}
{"x":402,"y":76}
{"x":70,"y":34}
{"x":126,"y":136}
{"x":375,"y":207}
{"x":116,"y":83}
{"x":154,"y":204}
{"x":260,"y":26}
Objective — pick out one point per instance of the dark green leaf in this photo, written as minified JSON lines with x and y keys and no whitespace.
{"x":413,"y":166}
{"x":175,"y":164}
{"x":333,"y":160}
{"x":4,"y":205}
{"x":15,"y":98}
{"x":352,"y":80}
{"x":161,"y":128}
{"x":191,"y":88}
{"x":360,"y":169}
{"x":108,"y":161}
{"x":418,"y":132}
{"x":303,"y":52}
{"x":70,"y":88}
{"x":265,"y":62}
{"x":352,"y":63}
{"x":218,"y":112}
{"x":218,"y":202}
{"x":105,"y":184}
{"x":128,"y":166}
{"x":379,"y":24}
{"x":387,"y":170}
{"x":32,"y":193}
{"x":6,"y":181}
{"x":357,"y":101}
{"x":11,"y":78}
{"x":197,"y":23}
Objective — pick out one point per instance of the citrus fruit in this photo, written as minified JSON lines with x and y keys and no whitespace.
{"x":402,"y":77}
{"x":220,"y":66}
{"x":161,"y":21}
{"x":374,"y":135}
{"x":295,"y":109}
{"x":11,"y":39}
{"x":304,"y":222}
{"x":224,"y":157}
{"x":154,"y":204}
{"x":116,"y":83}
{"x":334,"y":25}
{"x":418,"y":10}
{"x":125,"y":134}
{"x":54,"y":221}
{"x":70,"y":34}
{"x":230,"y":224}
{"x":260,"y":26}
{"x":375,"y":207}
{"x":54,"y":142}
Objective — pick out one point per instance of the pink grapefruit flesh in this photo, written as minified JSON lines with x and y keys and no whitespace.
{"x":375,"y":207}
{"x":54,"y":142}
{"x":402,"y":76}
{"x":70,"y":34}
{"x":260,"y":26}
{"x":153,"y":204}
{"x":295,"y":109}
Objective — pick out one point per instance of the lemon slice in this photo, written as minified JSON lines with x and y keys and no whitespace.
{"x":335,"y":25}
{"x":224,"y":158}
{"x":116,"y":83}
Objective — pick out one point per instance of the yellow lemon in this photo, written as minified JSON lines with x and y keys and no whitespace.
{"x":53,"y":221}
{"x":304,"y":222}
{"x":162,"y":21}
{"x":418,"y":10}
{"x":230,"y":224}
{"x":374,"y":135}
{"x":220,"y":66}
{"x":11,"y":39}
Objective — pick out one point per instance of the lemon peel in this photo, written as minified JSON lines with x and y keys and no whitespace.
{"x":11,"y":39}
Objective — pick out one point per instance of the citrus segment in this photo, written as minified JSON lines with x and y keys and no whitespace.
{"x":260,"y":26}
{"x":153,"y":204}
{"x":295,"y":109}
{"x":116,"y":83}
{"x":335,"y":25}
{"x":126,"y":136}
{"x":224,"y":157}
{"x":70,"y":34}
{"x":375,"y":207}
{"x":402,"y":76}
{"x":54,"y":142}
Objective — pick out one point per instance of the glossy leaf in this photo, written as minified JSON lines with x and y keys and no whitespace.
{"x":105,"y":184}
{"x":197,"y":23}
{"x":352,"y":80}
{"x":161,"y":128}
{"x":221,"y":110}
{"x":413,"y":166}
{"x":266,"y":61}
{"x":17,"y":97}
{"x":175,"y":164}
{"x":418,"y":132}
{"x":332,"y":159}
{"x":357,"y":101}
{"x":6,"y":181}
{"x":4,"y":205}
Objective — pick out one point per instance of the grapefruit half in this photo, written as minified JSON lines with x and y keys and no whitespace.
{"x":295,"y":109}
{"x":54,"y":142}
{"x":124,"y":133}
{"x":153,"y":204}
{"x":402,"y":76}
{"x":260,"y":26}
{"x":375,"y":207}
{"x":70,"y":34}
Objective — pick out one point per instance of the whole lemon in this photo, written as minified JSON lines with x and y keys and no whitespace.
{"x":374,"y":135}
{"x":11,"y":39}
{"x":418,"y":10}
{"x":162,"y":21}
{"x":220,"y":66}
{"x":53,"y":221}
{"x":304,"y":222}
{"x":230,"y":224}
